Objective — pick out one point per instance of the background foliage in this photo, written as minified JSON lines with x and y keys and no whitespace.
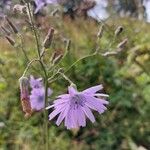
{"x":126,"y":79}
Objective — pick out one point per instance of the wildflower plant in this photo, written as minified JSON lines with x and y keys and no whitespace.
{"x":74,"y":107}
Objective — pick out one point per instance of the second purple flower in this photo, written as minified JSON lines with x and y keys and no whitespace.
{"x":37,"y":96}
{"x":75,"y":106}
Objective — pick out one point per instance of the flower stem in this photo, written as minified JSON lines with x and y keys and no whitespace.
{"x":45,"y":76}
{"x":46,"y":116}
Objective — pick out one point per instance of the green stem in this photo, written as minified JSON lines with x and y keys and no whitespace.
{"x":28,"y":66}
{"x":80,"y":60}
{"x":34,"y":29}
{"x":45,"y":76}
{"x":46,"y":116}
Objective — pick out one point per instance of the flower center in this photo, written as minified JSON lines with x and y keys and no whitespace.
{"x":77,"y":100}
{"x":40,"y":98}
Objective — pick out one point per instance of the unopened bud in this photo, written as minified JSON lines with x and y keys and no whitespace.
{"x":24,"y":93}
{"x":14,"y":28}
{"x":100,"y":32}
{"x":118,"y":30}
{"x":7,"y":32}
{"x":122,"y":44}
{"x":10,"y":40}
{"x":48,"y":40}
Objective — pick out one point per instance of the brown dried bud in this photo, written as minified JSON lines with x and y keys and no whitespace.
{"x":118,"y":30}
{"x":100,"y":32}
{"x":122,"y":44}
{"x":26,"y":107}
{"x":10,"y":40}
{"x":48,"y":40}
{"x":7,"y":32}
{"x":25,"y":101}
{"x":14,"y":28}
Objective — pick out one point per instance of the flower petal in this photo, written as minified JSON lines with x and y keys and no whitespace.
{"x":55,"y":113}
{"x":95,"y":104}
{"x":64,"y":96}
{"x":88,"y":113}
{"x":62,"y":115}
{"x":81,"y":117}
{"x":68,"y":122}
{"x":48,"y":107}
{"x":60,"y":101}
{"x":93,"y":89}
{"x":101,"y":95}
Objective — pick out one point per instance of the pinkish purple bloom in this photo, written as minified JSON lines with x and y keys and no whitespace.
{"x":37,"y":96}
{"x":75,"y":106}
{"x":41,"y":3}
{"x":36,"y":83}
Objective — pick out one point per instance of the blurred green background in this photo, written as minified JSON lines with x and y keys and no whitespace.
{"x":126,"y":78}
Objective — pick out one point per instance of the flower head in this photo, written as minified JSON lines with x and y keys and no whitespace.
{"x":75,"y":106}
{"x":35,"y":83}
{"x":37,"y":98}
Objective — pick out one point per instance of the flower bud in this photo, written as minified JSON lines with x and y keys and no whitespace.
{"x":48,"y":40}
{"x":118,"y":30}
{"x":24,"y":91}
{"x":10,"y":40}
{"x":14,"y":28}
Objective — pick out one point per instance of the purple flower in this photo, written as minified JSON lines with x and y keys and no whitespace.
{"x":36,"y":83}
{"x":37,"y":98}
{"x":75,"y":106}
{"x":41,"y":3}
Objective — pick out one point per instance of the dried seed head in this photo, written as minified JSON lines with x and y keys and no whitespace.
{"x":14,"y":28}
{"x":10,"y":40}
{"x":26,"y":107}
{"x":48,"y":40}
{"x":100,"y":32}
{"x":122,"y":44}
{"x":7,"y":32}
{"x":118,"y":30}
{"x":24,"y":91}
